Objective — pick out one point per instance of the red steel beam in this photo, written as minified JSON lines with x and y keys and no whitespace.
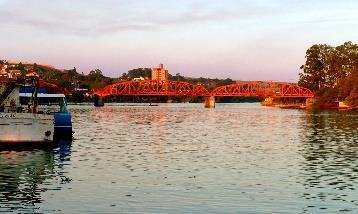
{"x":179,"y":88}
{"x":263,"y":89}
{"x":149,"y":87}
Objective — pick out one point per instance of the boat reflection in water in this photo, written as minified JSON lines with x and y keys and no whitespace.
{"x":24,"y":176}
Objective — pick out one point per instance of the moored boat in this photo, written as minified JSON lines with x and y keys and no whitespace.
{"x":56,"y":105}
{"x":19,"y":125}
{"x":29,"y":118}
{"x":26,"y":128}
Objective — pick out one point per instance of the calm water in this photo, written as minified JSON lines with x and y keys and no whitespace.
{"x":182,"y":158}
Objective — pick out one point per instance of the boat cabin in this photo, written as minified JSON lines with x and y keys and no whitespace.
{"x":47,"y":103}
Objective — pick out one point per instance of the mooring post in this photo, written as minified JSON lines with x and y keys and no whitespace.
{"x":209,"y":102}
{"x":98,"y":101}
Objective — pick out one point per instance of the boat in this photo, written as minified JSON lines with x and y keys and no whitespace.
{"x":56,"y":105}
{"x":24,"y":120}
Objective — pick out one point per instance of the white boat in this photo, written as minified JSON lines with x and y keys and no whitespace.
{"x":26,"y":128}
{"x":19,"y":125}
{"x":56,"y":105}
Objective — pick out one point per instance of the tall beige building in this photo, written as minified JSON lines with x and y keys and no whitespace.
{"x":159,"y":73}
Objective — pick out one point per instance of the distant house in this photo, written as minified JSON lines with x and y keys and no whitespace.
{"x":4,"y":77}
{"x":15,"y":73}
{"x":138,"y":78}
{"x":6,"y":74}
{"x":3,"y":69}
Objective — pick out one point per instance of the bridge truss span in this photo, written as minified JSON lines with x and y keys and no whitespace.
{"x":262,"y":89}
{"x":179,"y":88}
{"x":155,"y":88}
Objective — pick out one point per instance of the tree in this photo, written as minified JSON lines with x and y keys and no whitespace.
{"x":139,"y":72}
{"x":332,"y":72}
{"x":315,"y":69}
{"x":124,"y":76}
{"x":95,"y":75}
{"x":177,"y":77}
{"x":35,"y":68}
{"x":3,"y":62}
{"x":20,"y":67}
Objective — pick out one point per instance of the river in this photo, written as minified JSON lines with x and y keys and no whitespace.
{"x":183,"y":158}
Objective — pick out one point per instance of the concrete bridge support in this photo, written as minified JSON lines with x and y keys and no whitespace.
{"x":268,"y":101}
{"x":98,"y":101}
{"x":209,"y":102}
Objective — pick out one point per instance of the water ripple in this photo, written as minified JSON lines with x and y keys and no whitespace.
{"x":182,"y":158}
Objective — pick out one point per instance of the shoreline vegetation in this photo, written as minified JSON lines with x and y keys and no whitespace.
{"x":331,"y":73}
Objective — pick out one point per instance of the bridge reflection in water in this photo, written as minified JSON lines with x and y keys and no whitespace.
{"x":24,"y":174}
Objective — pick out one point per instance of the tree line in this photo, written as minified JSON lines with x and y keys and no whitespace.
{"x":332,"y":72}
{"x":67,"y":79}
{"x":146,"y":73}
{"x":70,"y":79}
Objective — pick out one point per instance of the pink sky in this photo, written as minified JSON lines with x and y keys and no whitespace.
{"x":238,"y":39}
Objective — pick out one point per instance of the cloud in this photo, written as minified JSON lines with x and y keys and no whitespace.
{"x":92,"y":17}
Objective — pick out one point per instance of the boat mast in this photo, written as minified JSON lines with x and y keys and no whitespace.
{"x":35,"y":83}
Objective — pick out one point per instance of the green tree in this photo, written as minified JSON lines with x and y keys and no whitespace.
{"x":3,"y":62}
{"x":332,"y":72}
{"x":314,"y":74}
{"x":95,"y":75}
{"x":177,"y":77}
{"x":124,"y":76}
{"x":139,"y":72}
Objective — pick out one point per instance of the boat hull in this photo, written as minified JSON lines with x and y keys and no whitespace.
{"x":26,"y":128}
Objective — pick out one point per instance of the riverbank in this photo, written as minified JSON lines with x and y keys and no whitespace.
{"x":310,"y":104}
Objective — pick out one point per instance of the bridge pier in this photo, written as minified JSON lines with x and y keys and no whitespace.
{"x":269,"y":101}
{"x":209,"y":102}
{"x":98,"y":101}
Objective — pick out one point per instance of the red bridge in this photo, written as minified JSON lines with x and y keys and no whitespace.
{"x":177,"y":88}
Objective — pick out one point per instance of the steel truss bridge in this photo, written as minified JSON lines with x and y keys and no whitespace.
{"x":179,"y":88}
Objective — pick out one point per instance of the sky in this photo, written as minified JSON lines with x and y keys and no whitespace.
{"x":237,"y":39}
